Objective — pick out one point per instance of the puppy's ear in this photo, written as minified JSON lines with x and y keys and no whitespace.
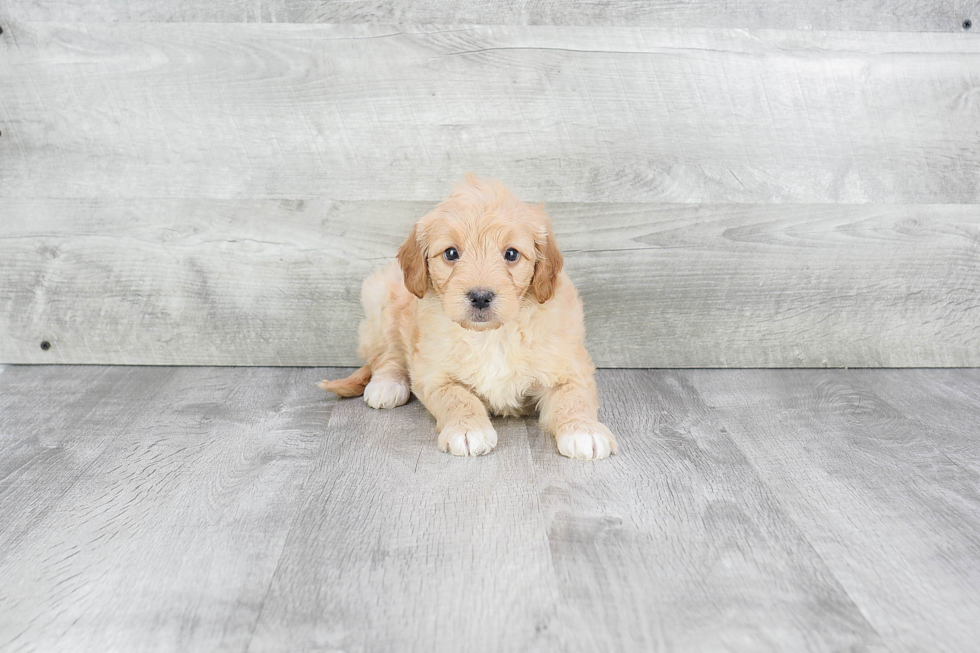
{"x":547,"y":266}
{"x":412,"y":257}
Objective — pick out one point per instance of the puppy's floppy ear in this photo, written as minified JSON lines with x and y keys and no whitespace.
{"x":547,"y":266}
{"x":412,"y":257}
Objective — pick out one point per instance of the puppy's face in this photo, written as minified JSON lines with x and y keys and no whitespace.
{"x":481,"y":268}
{"x":481,"y":251}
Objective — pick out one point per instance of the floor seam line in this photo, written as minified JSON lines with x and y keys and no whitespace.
{"x":289,"y":532}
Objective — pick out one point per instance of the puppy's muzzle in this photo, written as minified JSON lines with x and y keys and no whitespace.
{"x":481,"y":304}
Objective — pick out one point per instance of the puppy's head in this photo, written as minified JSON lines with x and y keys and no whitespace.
{"x":482,"y":251}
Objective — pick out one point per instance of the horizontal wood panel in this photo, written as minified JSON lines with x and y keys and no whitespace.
{"x":234,"y":111}
{"x":900,"y":15}
{"x":235,"y":282}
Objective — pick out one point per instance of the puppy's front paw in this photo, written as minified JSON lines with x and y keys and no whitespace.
{"x":386,"y":393}
{"x":588,"y":441}
{"x":461,"y":441}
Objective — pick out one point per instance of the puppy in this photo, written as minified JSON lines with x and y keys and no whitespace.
{"x":477,"y":317}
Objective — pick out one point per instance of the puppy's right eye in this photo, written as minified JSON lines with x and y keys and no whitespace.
{"x":451,"y":254}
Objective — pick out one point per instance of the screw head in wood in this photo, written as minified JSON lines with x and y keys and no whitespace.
{"x":45,"y":345}
{"x":967,"y":24}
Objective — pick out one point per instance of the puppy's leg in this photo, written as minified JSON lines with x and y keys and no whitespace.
{"x":389,"y":384}
{"x":570,"y":412}
{"x":383,"y":296}
{"x":461,"y":419}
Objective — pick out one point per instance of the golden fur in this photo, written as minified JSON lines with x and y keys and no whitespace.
{"x":524,"y":351}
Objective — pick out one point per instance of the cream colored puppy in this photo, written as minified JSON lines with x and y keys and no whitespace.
{"x":477,"y":316}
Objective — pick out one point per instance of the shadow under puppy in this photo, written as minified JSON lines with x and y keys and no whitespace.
{"x":475,"y":316}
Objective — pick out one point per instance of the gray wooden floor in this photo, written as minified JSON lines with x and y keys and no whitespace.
{"x":187,"y":509}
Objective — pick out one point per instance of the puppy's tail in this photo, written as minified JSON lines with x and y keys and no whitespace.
{"x":352,"y":386}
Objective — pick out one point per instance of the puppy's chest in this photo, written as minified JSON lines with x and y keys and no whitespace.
{"x":499,"y":369}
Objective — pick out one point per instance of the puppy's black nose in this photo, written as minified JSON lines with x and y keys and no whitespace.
{"x":480,"y":298}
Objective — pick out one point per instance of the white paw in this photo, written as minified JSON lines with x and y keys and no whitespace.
{"x":587,"y":442}
{"x":385,"y":393}
{"x":467,"y":442}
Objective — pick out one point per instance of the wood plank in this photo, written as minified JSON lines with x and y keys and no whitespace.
{"x":927,"y":408}
{"x":154,"y":519}
{"x":55,"y":423}
{"x":964,"y":384}
{"x":894,"y":516}
{"x":677,"y":543}
{"x":400,"y":547}
{"x":902,"y":15}
{"x":227,"y":509}
{"x":236,"y":282}
{"x":561,"y":113}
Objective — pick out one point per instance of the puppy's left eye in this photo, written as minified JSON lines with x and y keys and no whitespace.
{"x":512,"y":254}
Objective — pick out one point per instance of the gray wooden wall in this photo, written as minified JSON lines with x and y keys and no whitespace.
{"x":743,"y":183}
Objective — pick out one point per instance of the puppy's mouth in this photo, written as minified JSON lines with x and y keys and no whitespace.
{"x":480,"y":319}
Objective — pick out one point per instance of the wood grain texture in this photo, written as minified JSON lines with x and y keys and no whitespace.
{"x":886,"y":495}
{"x":277,"y":282}
{"x":652,"y":551}
{"x":567,"y":113}
{"x":936,"y":408}
{"x":400,"y":547}
{"x":151,"y":504}
{"x":220,"y":509}
{"x":51,"y":447}
{"x":901,"y":15}
{"x":190,"y":193}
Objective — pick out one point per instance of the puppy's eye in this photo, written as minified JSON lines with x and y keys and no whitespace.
{"x":450,"y":254}
{"x":512,"y":254}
